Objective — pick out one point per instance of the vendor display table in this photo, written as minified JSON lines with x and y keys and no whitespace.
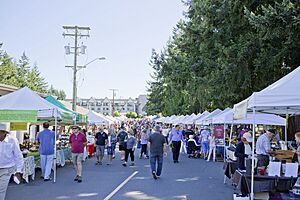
{"x":29,"y":168}
{"x":262,"y":183}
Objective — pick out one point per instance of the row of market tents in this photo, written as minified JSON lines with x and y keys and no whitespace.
{"x":24,"y":105}
{"x":281,"y":98}
{"x":222,"y":117}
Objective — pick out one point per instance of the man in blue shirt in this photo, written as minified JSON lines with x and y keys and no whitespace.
{"x":46,"y":140}
{"x":175,"y":139}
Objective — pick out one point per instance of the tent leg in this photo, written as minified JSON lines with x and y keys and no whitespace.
{"x":55,"y":138}
{"x":224,"y":143}
{"x":252,"y":157}
{"x":285,"y":128}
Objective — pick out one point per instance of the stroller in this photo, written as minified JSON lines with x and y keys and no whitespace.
{"x":193,"y":150}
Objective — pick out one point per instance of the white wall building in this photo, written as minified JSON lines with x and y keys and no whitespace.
{"x":105,"y":105}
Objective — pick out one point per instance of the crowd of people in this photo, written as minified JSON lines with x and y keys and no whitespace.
{"x":151,"y":140}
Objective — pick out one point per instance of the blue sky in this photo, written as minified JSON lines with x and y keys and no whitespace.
{"x":123,"y":31}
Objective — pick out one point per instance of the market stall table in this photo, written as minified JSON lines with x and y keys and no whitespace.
{"x":262,"y":183}
{"x":28,"y":168}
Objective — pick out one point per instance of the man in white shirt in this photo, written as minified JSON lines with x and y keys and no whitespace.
{"x":263,"y":148}
{"x":11,"y":159}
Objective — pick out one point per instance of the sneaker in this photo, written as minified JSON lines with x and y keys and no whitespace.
{"x":154,"y":175}
{"x":124,"y":164}
{"x":97,"y":163}
{"x":47,"y":179}
{"x":76,"y":178}
{"x":79,"y":179}
{"x":157,"y":176}
{"x":132,"y":164}
{"x":100,"y":163}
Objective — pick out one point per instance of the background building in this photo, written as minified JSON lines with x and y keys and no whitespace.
{"x":105,"y":105}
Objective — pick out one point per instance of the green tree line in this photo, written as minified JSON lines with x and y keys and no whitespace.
{"x":22,"y":74}
{"x":221,"y":52}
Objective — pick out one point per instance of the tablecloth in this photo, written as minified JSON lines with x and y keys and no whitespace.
{"x":28,"y":168}
{"x":262,"y":183}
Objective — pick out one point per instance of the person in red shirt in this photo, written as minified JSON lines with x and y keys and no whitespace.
{"x":77,"y":141}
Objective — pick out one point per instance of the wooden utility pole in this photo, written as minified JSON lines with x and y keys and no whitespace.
{"x":76,"y":32}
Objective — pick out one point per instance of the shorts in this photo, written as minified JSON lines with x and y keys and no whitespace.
{"x":77,"y":158}
{"x":100,"y":150}
{"x":110,"y":150}
{"x":122,"y":147}
{"x":205,"y":147}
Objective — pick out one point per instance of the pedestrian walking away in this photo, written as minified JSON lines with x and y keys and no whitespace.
{"x":175,"y":139}
{"x":144,"y":144}
{"x":100,"y":140}
{"x":111,"y":145}
{"x":46,"y":141}
{"x":158,"y":149}
{"x":78,"y":141}
{"x":11,"y":159}
{"x":122,"y":139}
{"x":204,"y":134}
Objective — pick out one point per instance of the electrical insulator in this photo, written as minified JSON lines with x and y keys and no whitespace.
{"x":67,"y":50}
{"x":82,"y":49}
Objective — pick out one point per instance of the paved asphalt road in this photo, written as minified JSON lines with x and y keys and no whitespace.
{"x":192,"y":179}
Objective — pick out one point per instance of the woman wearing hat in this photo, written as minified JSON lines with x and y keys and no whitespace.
{"x":240,"y":150}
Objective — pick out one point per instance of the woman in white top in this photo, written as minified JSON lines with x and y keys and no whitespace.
{"x":212,"y":147}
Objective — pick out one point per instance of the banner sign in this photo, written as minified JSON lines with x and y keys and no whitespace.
{"x":219,"y":131}
{"x":18,"y":115}
{"x":18,"y":126}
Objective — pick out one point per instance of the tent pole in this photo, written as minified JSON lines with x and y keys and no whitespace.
{"x":224,"y":142}
{"x":252,"y":157}
{"x":54,"y":163}
{"x":285,"y":127}
{"x":231,"y":130}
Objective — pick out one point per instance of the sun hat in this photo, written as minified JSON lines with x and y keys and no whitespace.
{"x":4,"y":127}
{"x":248,"y":136}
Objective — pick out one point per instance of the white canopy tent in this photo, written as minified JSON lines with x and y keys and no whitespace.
{"x":170,"y":119}
{"x":262,"y":118}
{"x":281,"y":97}
{"x":95,"y":118}
{"x":192,"y":119}
{"x":187,"y":117}
{"x":25,"y":99}
{"x":208,"y":120}
{"x":161,"y":119}
{"x":201,"y":120}
{"x":177,"y":119}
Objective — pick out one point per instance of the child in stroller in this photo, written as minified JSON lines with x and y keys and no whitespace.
{"x":193,"y":149}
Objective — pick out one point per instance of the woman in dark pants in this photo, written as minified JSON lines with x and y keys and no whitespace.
{"x":240,"y":150}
